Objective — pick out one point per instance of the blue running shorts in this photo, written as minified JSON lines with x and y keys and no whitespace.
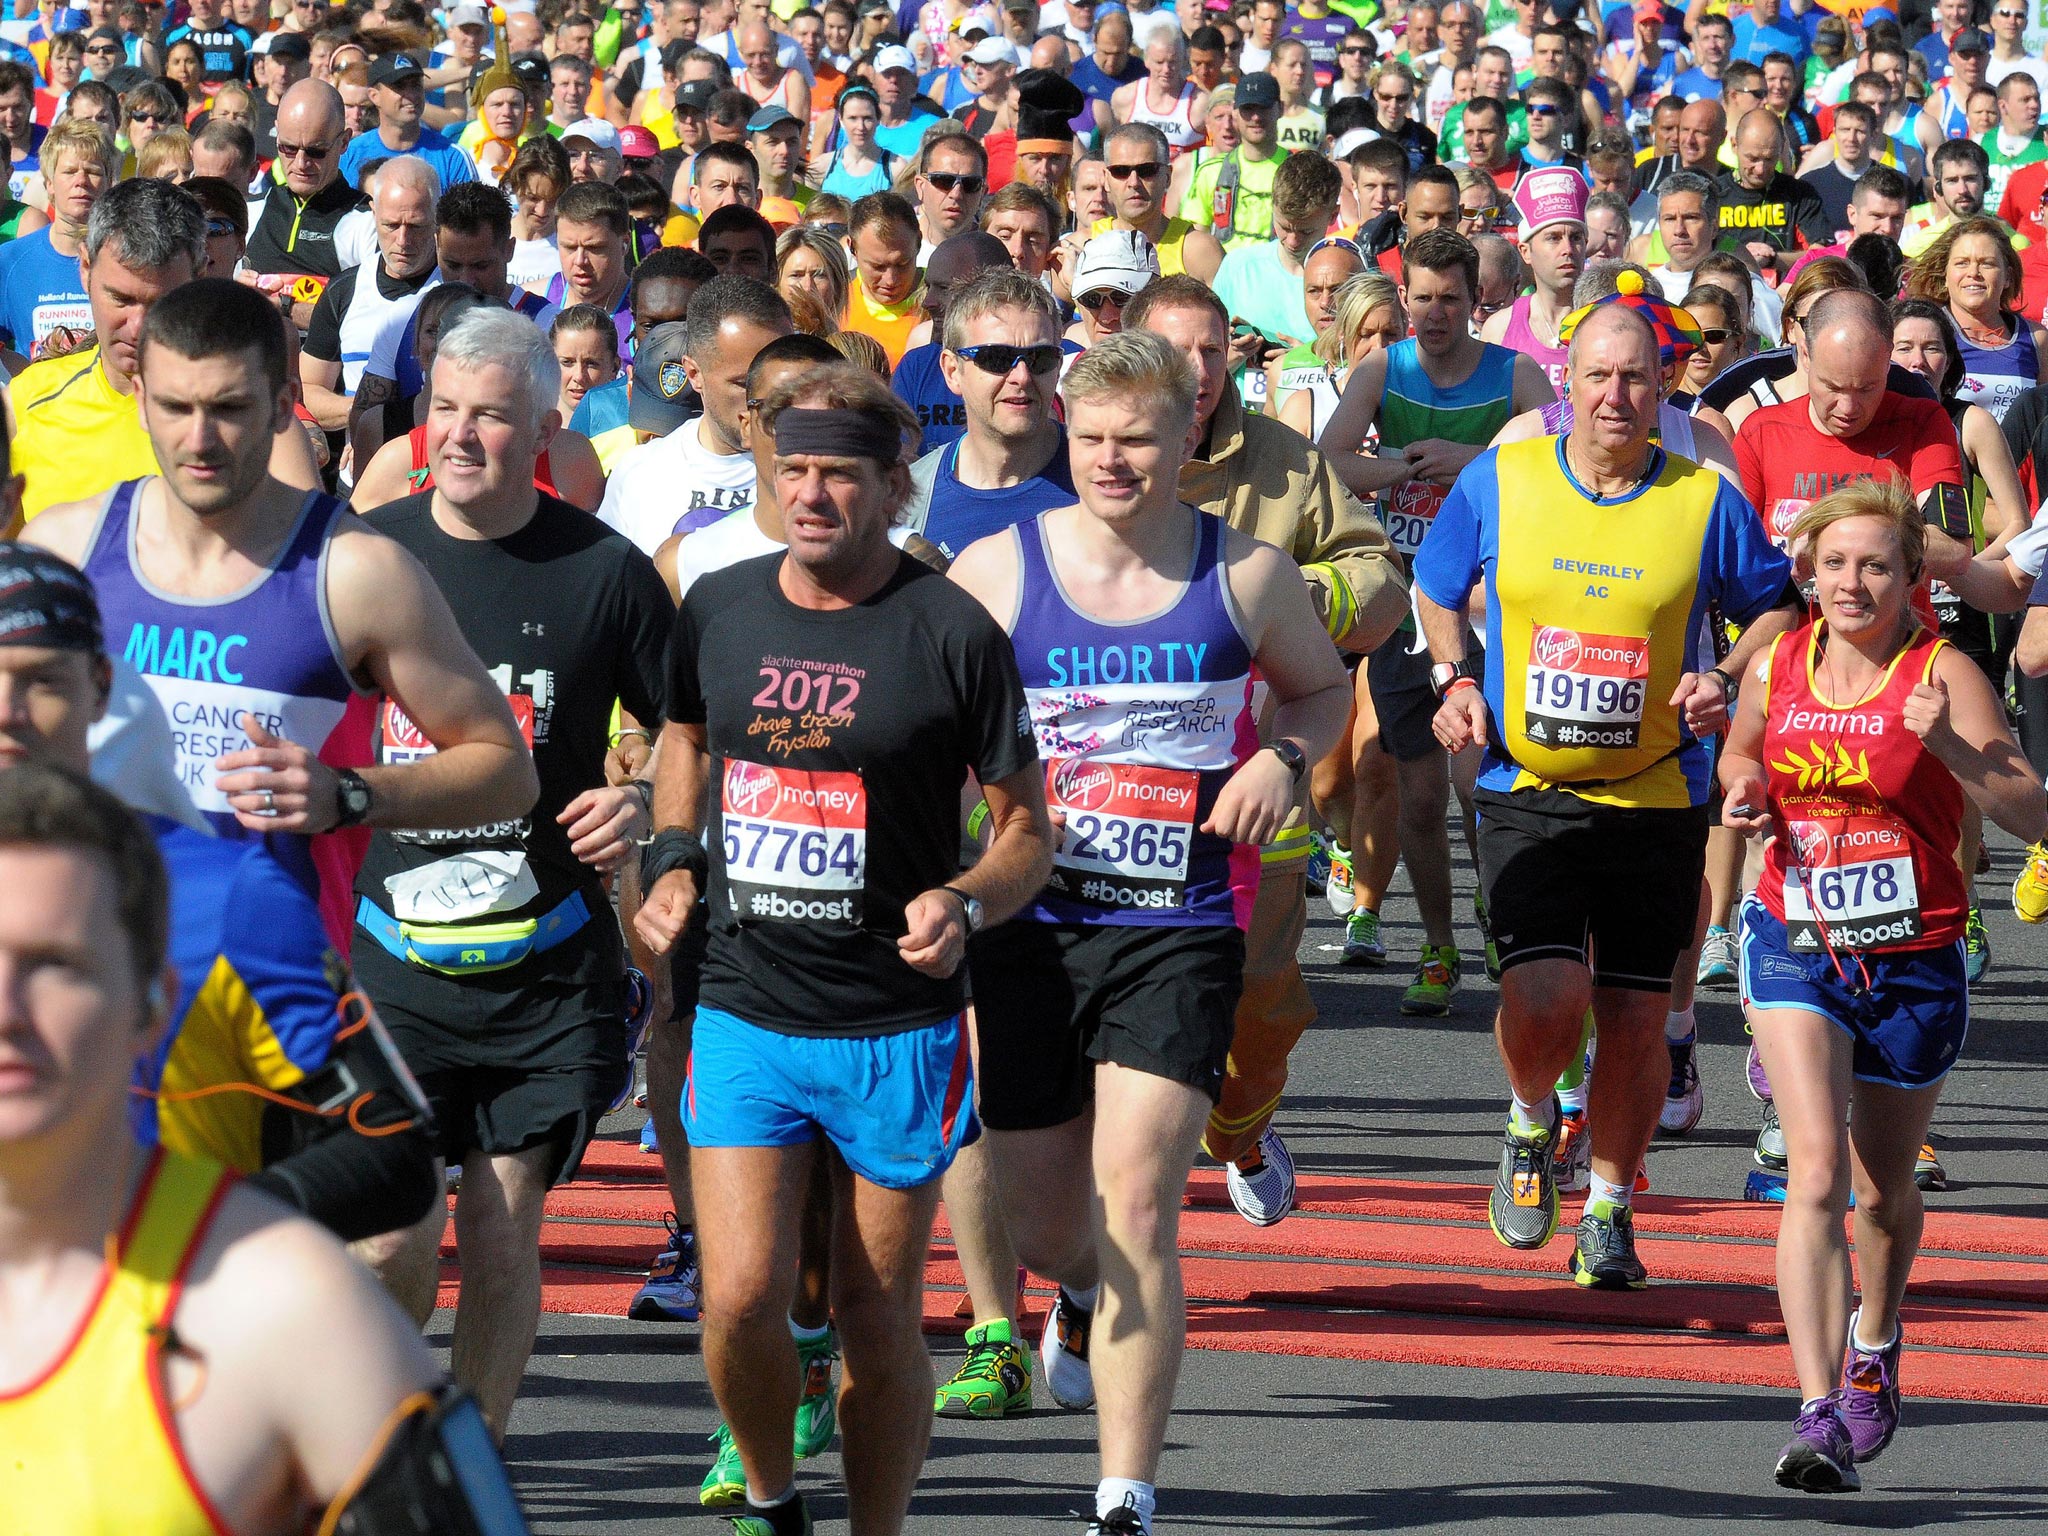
{"x":1908,"y":1029}
{"x":898,"y":1107}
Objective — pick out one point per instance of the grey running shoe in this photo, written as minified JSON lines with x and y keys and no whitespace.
{"x":1770,"y":1141}
{"x":1820,"y":1458}
{"x":1605,"y":1257}
{"x":1685,"y":1100}
{"x":1523,"y":1208}
{"x":1870,"y":1393}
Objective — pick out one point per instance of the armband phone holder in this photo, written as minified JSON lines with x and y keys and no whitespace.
{"x":437,"y":1473}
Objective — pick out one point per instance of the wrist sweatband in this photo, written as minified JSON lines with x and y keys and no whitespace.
{"x":671,"y":849}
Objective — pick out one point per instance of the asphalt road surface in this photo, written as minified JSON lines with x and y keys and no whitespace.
{"x":1363,"y":1432}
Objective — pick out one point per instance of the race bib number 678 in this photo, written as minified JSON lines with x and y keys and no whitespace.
{"x":795,"y":844}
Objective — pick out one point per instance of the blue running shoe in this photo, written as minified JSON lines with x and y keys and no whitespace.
{"x":673,"y":1283}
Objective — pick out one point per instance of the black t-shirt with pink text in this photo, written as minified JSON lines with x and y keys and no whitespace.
{"x":839,"y":741}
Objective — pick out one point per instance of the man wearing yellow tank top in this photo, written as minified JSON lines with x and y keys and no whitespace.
{"x":223,"y":1364}
{"x":1140,"y":167}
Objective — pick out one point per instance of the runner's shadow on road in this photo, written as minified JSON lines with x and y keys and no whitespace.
{"x":1459,"y":1505}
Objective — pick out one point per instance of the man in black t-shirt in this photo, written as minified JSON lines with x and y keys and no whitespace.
{"x":832,"y":698}
{"x":1763,"y":211}
{"x":491,"y":951}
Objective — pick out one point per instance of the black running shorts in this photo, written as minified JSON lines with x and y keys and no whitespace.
{"x":1403,"y":699}
{"x":1614,"y":889}
{"x":1050,"y":1000}
{"x":528,"y":1056}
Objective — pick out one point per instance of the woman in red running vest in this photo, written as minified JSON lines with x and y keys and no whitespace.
{"x":1856,"y":741}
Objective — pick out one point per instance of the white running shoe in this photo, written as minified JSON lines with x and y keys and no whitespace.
{"x":1064,"y":1353}
{"x":1263,"y":1193}
{"x":1337,"y":886}
{"x":1685,"y":1100}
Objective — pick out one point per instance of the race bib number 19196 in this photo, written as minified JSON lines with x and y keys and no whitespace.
{"x":795,"y":844}
{"x":1585,"y":690}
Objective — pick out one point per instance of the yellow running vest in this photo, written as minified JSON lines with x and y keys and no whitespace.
{"x":89,"y":1449}
{"x":1172,"y":263}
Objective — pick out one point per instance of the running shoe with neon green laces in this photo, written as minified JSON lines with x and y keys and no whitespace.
{"x":1976,"y":946}
{"x":1604,"y":1258}
{"x":725,"y":1485}
{"x":1436,"y":978}
{"x":2030,"y":888}
{"x":1362,"y":942}
{"x":817,"y":1411}
{"x":994,"y":1381}
{"x":791,"y":1519}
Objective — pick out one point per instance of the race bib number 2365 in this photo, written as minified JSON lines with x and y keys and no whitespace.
{"x":795,"y":843}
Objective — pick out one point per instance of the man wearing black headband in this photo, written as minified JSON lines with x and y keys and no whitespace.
{"x":833,"y":753}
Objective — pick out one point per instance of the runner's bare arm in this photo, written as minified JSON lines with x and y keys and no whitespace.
{"x":1520,"y":428}
{"x":1962,"y":722}
{"x":578,"y":477}
{"x":1745,"y":792}
{"x":987,"y":568}
{"x":289,"y":1343}
{"x":1295,"y":657}
{"x":2032,"y":650}
{"x":1201,"y":253}
{"x":1010,"y":873}
{"x":387,"y":479}
{"x":320,"y":382}
{"x":1496,"y":326}
{"x":681,"y":773}
{"x":1532,"y":385}
{"x":1714,"y":450}
{"x":366,"y":413}
{"x":1343,"y":440}
{"x":2005,"y":504}
{"x":65,"y":528}
{"x":395,"y":631}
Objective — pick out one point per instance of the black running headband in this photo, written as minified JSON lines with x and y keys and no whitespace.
{"x":839,"y":432}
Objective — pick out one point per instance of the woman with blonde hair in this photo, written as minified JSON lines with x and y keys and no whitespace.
{"x":1369,"y":317}
{"x":1973,"y":270}
{"x":1852,"y":945}
{"x":859,"y":347}
{"x":166,"y":157}
{"x":810,"y":261}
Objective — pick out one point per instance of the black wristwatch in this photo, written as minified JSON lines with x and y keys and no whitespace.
{"x":1291,"y":755}
{"x":970,"y":907}
{"x":352,"y":796}
{"x":1729,"y":686}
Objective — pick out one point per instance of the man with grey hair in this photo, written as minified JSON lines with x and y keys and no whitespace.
{"x":516,"y":1041}
{"x":77,"y":432}
{"x":1594,"y":725}
{"x":1688,"y":224}
{"x":701,"y":471}
{"x":358,"y":305}
{"x":1105,"y":1011}
{"x":1140,"y":168}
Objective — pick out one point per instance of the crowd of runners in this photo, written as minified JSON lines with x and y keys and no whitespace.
{"x":845,"y":575}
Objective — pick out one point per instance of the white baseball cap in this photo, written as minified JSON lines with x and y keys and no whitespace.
{"x":1121,"y":259}
{"x":596,"y":130}
{"x":995,"y":50}
{"x":896,"y":56}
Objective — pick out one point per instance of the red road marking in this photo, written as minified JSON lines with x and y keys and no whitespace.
{"x":1406,"y":1271}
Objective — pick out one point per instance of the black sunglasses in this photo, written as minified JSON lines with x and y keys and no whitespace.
{"x":1101,"y":296}
{"x":1713,"y":336}
{"x":946,"y":181}
{"x":1000,"y":360}
{"x":1144,"y":170}
{"x":219,"y":227}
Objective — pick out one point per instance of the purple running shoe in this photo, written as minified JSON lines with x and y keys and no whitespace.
{"x":1870,"y":1393}
{"x":1820,"y":1458}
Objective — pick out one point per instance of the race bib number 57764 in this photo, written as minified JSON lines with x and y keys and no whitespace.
{"x":795,"y":843}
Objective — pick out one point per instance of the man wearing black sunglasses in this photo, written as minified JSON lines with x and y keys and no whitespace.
{"x":1002,"y":358}
{"x":952,"y":179}
{"x":295,"y":232}
{"x":1138,"y":164}
{"x":920,"y":379}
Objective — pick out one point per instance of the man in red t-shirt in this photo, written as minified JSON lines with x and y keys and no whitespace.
{"x":2021,"y":208}
{"x":1849,"y":427}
